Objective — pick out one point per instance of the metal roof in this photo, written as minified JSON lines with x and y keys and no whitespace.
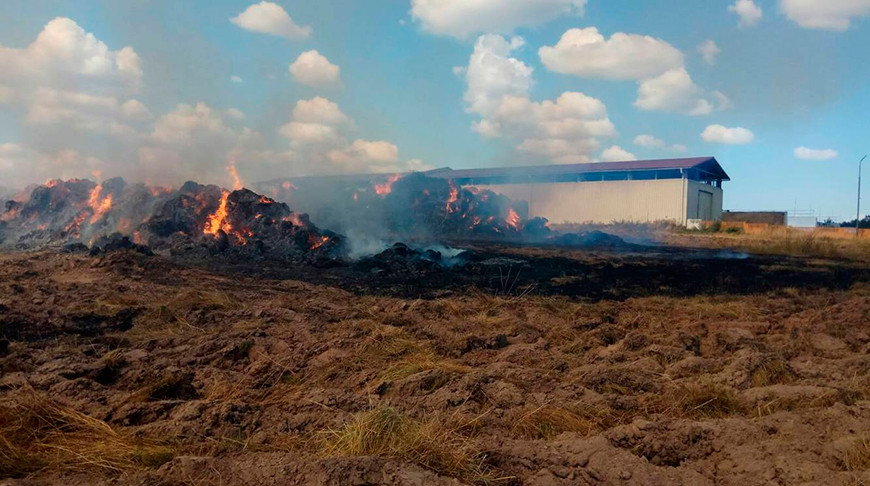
{"x":708,"y":165}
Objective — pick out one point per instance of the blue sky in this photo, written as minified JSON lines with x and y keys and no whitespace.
{"x":400,"y":84}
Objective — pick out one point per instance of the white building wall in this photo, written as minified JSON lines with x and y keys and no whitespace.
{"x":605,"y":202}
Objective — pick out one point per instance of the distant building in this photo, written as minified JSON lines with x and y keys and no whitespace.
{"x":772,"y":218}
{"x":641,"y":191}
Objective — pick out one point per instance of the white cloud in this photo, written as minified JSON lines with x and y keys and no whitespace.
{"x":730,"y":136}
{"x":135,"y":110}
{"x":463,"y":18}
{"x":270,"y":18}
{"x":748,"y":11}
{"x":805,"y":153}
{"x":319,"y":110}
{"x":617,"y":154}
{"x":237,"y":79}
{"x":68,"y":79}
{"x":663,"y":82}
{"x":709,"y":51}
{"x":673,"y":91}
{"x":316,"y":122}
{"x":492,"y":74}
{"x":313,"y":69}
{"x":235,"y":114}
{"x":374,"y":156}
{"x":651,"y":142}
{"x":63,"y":56}
{"x":319,"y":132}
{"x":563,"y":130}
{"x":586,"y":53}
{"x":834,"y":15}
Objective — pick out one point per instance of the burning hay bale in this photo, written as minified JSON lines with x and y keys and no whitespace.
{"x":417,"y":206}
{"x":114,"y":216}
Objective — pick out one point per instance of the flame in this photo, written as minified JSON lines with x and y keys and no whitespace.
{"x":100,"y":206}
{"x":237,"y":181}
{"x":293,"y":218}
{"x":75,"y":225}
{"x":218,"y":220}
{"x":454,"y":196}
{"x":317,"y":242}
{"x":356,"y":197}
{"x":513,"y":219}
{"x":157,"y":191}
{"x":387,"y":187}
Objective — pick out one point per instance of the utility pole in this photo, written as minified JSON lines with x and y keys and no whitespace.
{"x":858,"y":216}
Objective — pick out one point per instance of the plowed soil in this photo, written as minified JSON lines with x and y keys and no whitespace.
{"x":547,"y":367}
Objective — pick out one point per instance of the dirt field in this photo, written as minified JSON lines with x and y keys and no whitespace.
{"x":540,"y":367}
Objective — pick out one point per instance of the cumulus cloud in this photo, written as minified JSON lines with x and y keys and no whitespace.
{"x":68,"y":87}
{"x":316,"y":122}
{"x":709,"y":51}
{"x":313,"y":69}
{"x":674,"y":91}
{"x":319,"y":135}
{"x":587,"y":53}
{"x":648,"y":141}
{"x":616,"y":153}
{"x":563,"y":130}
{"x":463,"y":18}
{"x":658,"y":67}
{"x":73,"y":97}
{"x":64,"y":55}
{"x":805,"y":153}
{"x":235,"y":114}
{"x":748,"y":11}
{"x":270,"y":18}
{"x":730,"y":136}
{"x":833,"y":15}
{"x":651,"y":142}
{"x":492,"y":74}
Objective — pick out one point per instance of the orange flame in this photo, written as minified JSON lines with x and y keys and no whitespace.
{"x":100,"y":206}
{"x":317,"y":242}
{"x":454,"y":196}
{"x":218,"y":220}
{"x":387,"y":187}
{"x":513,"y":219}
{"x":237,"y":181}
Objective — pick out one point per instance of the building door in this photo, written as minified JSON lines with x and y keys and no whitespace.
{"x":705,"y":205}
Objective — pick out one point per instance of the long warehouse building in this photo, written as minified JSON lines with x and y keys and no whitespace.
{"x":675,"y":190}
{"x":640,"y":191}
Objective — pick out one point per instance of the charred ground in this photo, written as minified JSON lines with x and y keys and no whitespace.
{"x":514,"y":365}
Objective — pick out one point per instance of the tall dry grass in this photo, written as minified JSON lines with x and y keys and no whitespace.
{"x":388,"y":432}
{"x":38,"y":434}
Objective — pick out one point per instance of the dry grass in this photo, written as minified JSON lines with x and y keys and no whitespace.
{"x":547,"y":422}
{"x":771,"y":372}
{"x":699,"y":402}
{"x":388,"y":432}
{"x":857,"y":457}
{"x":401,"y":356}
{"x":37,"y":434}
{"x":782,"y":241}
